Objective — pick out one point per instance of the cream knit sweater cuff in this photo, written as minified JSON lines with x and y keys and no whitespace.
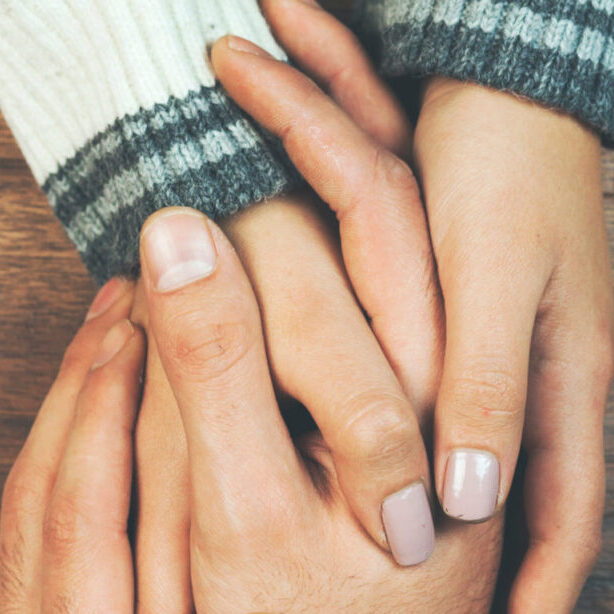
{"x":115,"y":107}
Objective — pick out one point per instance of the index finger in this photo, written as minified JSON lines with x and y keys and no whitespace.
{"x":334,"y":155}
{"x":384,"y":233}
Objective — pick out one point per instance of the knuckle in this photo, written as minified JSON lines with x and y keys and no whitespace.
{"x":209,"y":349}
{"x":13,"y":545}
{"x":13,"y":590}
{"x":390,"y":180}
{"x":392,"y":172}
{"x":64,"y":526}
{"x":379,"y":431}
{"x":293,"y":133}
{"x":24,"y":494}
{"x":489,"y":392}
{"x":340,"y":77}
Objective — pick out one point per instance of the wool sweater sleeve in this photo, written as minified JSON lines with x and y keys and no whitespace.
{"x":557,"y":52}
{"x":118,"y":114}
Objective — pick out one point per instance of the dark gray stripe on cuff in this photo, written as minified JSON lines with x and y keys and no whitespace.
{"x":562,"y":81}
{"x":201,"y":152}
{"x":558,"y":52}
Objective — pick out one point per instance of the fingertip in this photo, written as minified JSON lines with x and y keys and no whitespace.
{"x":280,"y":8}
{"x":408,"y":523}
{"x":116,"y":338}
{"x":218,"y":51}
{"x":107,"y":296}
{"x":235,"y":47}
{"x":111,"y":390}
{"x":118,"y":367}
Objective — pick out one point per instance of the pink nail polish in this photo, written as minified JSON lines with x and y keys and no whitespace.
{"x":114,"y":341}
{"x":178,"y":249}
{"x":409,"y":525}
{"x":107,"y":296}
{"x":471,"y":484}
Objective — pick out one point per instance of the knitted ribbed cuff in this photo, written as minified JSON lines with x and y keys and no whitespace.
{"x":200,"y":152}
{"x":557,"y":52}
{"x":117,"y":111}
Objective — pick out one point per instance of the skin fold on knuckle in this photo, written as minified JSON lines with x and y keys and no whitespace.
{"x":66,"y":530}
{"x":487,"y":394}
{"x":378,"y":434}
{"x":207,"y":350}
{"x":16,"y":500}
{"x":24,"y":495}
{"x":389,"y":181}
{"x":13,"y":585}
{"x":294,"y":132}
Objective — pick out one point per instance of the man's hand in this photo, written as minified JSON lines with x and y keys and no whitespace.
{"x":270,"y":527}
{"x":63,"y":525}
{"x":321,"y":349}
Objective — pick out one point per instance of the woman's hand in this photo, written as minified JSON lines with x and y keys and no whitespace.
{"x":513,"y":195}
{"x":270,"y":529}
{"x":63,"y":525}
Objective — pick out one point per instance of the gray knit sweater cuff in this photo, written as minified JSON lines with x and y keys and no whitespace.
{"x":557,"y":52}
{"x":201,"y":151}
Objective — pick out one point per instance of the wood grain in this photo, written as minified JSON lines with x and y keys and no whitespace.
{"x":44,"y":293}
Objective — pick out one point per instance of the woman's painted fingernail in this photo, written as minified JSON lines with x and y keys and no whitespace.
{"x":114,"y":341}
{"x":178,"y":249}
{"x":107,"y":296}
{"x":409,"y":525}
{"x":236,"y":43}
{"x":471,"y":484}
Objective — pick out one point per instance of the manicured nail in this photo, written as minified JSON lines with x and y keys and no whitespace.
{"x":409,"y":525}
{"x":244,"y":46}
{"x":113,"y":342}
{"x":311,"y":3}
{"x":107,"y":296}
{"x":471,"y":484}
{"x":178,"y":249}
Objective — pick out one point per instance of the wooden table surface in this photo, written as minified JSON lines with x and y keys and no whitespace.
{"x":44,"y":293}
